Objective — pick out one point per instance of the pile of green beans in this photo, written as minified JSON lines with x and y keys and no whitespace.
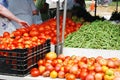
{"x":96,"y":35}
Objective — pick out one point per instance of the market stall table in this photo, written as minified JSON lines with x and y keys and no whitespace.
{"x":69,"y":52}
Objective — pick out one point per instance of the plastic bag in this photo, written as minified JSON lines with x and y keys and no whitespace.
{"x":6,"y":26}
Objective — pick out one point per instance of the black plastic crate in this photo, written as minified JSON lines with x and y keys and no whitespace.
{"x":18,"y":62}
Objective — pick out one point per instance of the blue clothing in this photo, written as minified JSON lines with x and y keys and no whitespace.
{"x":70,"y":4}
{"x":4,"y":3}
{"x":5,"y":24}
{"x":22,"y":9}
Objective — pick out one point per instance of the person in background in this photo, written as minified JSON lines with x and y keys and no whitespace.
{"x":5,"y":24}
{"x":37,"y":18}
{"x":43,"y":8}
{"x":72,"y":4}
{"x":104,"y":2}
{"x":80,"y":3}
{"x":23,"y":9}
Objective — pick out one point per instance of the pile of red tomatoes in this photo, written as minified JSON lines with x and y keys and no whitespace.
{"x":36,"y":34}
{"x":77,"y":67}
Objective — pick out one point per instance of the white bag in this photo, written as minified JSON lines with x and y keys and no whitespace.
{"x":6,"y":26}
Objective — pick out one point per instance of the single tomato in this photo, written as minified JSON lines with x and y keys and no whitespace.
{"x":34,"y":72}
{"x":83,"y":75}
{"x":61,"y":74}
{"x":51,"y":56}
{"x":53,"y":74}
{"x":40,"y":62}
{"x":34,"y":33}
{"x":70,"y":77}
{"x":6,"y":34}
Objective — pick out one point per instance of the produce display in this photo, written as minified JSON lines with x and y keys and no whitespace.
{"x":96,"y":35}
{"x":36,"y":34}
{"x":77,"y":67}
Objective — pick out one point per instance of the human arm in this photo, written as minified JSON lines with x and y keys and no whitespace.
{"x":5,"y":12}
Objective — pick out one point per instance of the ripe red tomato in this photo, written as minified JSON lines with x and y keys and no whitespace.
{"x":70,"y":77}
{"x":17,"y":33}
{"x":48,"y":36}
{"x":34,"y":72}
{"x":26,"y":34}
{"x":67,"y":68}
{"x":41,"y":28}
{"x":83,"y":74}
{"x":40,"y":62}
{"x":34,"y":39}
{"x":61,"y":56}
{"x":42,"y":69}
{"x":12,"y":46}
{"x":4,"y":46}
{"x":47,"y":27}
{"x":6,"y":34}
{"x":61,"y":74}
{"x":51,"y":56}
{"x":98,"y":68}
{"x":84,"y":59}
{"x":78,"y":25}
{"x":34,"y":28}
{"x":17,"y":37}
{"x":42,"y":40}
{"x":53,"y":23}
{"x":53,"y":40}
{"x":46,"y":74}
{"x":74,"y":69}
{"x":54,"y":62}
{"x":78,"y":73}
{"x":15,"y":42}
{"x":49,"y":61}
{"x":98,"y":76}
{"x":111,"y":64}
{"x":26,"y":38}
{"x":90,"y":77}
{"x":19,"y":45}
{"x":41,"y":36}
{"x":1,"y":38}
{"x":23,"y":30}
{"x":49,"y":68}
{"x":53,"y":28}
{"x":73,"y":23}
{"x":57,"y":68}
{"x":34,"y":33}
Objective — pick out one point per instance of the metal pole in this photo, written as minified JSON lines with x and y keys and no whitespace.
{"x":117,"y":5}
{"x":57,"y":49}
{"x":64,"y":24}
{"x":95,"y":7}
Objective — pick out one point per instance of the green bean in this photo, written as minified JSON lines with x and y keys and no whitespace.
{"x":98,"y":35}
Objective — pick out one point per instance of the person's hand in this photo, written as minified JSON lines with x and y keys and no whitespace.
{"x":23,"y":23}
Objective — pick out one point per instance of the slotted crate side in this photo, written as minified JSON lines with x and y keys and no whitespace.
{"x":18,"y":62}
